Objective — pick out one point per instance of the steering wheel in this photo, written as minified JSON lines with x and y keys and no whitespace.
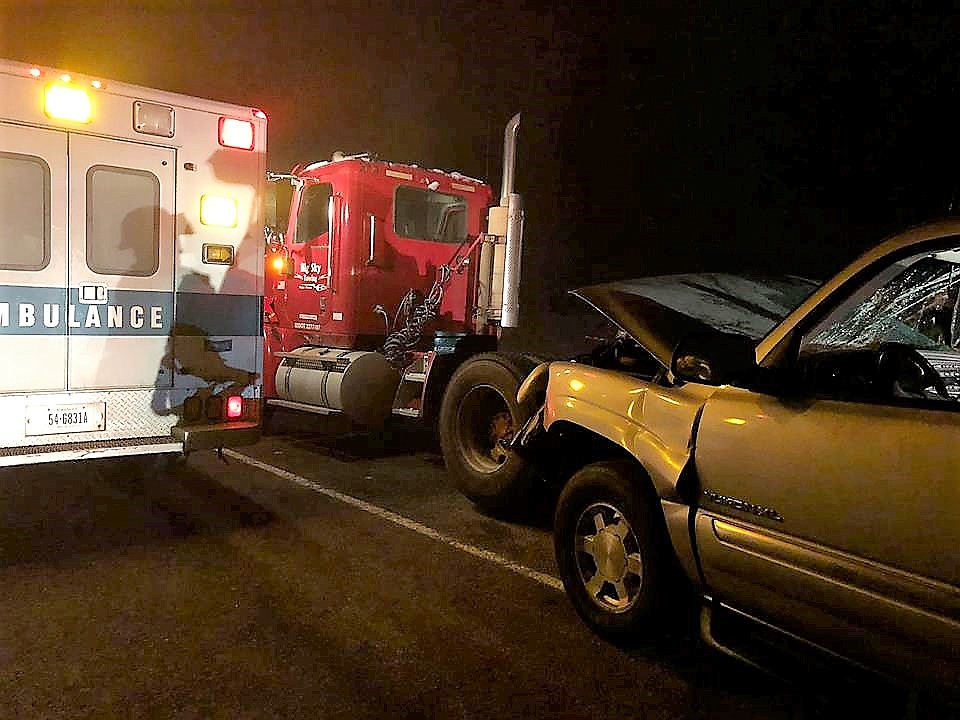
{"x":908,"y":372}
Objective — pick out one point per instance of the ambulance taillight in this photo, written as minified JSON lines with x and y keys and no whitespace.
{"x":234,"y":407}
{"x":236,"y":133}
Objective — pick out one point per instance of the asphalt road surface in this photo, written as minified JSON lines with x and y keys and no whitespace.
{"x":321,"y":575}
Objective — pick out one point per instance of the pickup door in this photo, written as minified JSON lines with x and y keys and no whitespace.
{"x":833,"y":513}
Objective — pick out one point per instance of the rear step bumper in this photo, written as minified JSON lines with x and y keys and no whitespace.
{"x":212,"y":437}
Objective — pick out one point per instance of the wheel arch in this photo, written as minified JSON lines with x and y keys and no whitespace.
{"x":609,"y":437}
{"x":573,"y":447}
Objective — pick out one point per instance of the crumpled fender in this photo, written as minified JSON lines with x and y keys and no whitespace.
{"x":534,"y":384}
{"x":653,"y":422}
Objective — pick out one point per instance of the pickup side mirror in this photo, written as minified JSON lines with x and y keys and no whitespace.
{"x":715,"y":359}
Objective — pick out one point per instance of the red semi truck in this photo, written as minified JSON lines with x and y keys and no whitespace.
{"x":386,"y":295}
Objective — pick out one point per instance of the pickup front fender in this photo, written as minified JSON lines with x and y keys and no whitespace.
{"x":652,"y":422}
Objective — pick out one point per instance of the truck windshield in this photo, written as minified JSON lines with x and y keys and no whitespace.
{"x":428,"y":215}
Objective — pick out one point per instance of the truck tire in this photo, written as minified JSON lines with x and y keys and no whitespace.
{"x":479,"y":415}
{"x":613,"y":553}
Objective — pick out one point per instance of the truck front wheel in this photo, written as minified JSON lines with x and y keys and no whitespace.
{"x":613,"y":552}
{"x":479,"y":416}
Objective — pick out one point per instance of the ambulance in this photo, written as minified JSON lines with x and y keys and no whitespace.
{"x":131,"y":268}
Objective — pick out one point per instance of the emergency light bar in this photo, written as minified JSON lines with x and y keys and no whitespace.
{"x":67,"y":103}
{"x":236,"y":133}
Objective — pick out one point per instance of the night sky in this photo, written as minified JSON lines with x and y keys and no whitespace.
{"x":660,"y":138}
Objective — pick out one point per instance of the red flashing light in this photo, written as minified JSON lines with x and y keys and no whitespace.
{"x":236,"y":133}
{"x":234,"y":406}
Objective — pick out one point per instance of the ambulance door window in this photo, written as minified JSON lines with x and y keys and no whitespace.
{"x":123,"y":221}
{"x":24,"y":212}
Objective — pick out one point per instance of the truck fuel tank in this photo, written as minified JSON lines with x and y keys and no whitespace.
{"x":357,"y":383}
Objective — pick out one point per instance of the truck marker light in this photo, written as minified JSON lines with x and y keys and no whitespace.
{"x":219,"y":211}
{"x":65,"y":78}
{"x":234,"y":406}
{"x":67,"y":103}
{"x":259,"y":114}
{"x":236,"y":133}
{"x":36,"y":72}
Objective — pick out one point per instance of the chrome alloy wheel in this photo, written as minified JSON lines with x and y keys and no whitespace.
{"x":608,"y":558}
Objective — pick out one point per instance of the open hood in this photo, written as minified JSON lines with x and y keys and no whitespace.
{"x":660,"y":311}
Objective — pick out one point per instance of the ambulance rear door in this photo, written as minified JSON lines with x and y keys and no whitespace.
{"x":33,"y":260}
{"x":121,"y":269}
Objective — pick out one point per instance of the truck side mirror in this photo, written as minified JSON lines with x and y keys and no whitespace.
{"x":715,"y":359}
{"x":272,"y":237}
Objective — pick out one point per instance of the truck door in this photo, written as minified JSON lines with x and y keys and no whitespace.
{"x":121,"y":267}
{"x":33,"y":258}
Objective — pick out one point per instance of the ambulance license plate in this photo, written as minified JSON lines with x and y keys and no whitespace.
{"x":59,"y":419}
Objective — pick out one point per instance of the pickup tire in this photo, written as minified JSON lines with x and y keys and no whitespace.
{"x":613,"y":552}
{"x":479,"y":415}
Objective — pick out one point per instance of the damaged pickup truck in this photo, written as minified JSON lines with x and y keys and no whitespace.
{"x":791,"y":450}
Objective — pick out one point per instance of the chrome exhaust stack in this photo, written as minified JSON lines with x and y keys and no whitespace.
{"x":510,"y":312}
{"x":506,"y":221}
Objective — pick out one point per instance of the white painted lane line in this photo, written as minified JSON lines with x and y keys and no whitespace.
{"x":542,"y":578}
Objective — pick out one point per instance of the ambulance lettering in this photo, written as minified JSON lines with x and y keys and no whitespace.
{"x":28,"y":315}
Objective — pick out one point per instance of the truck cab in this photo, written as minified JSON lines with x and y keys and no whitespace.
{"x":388,"y":277}
{"x":362,"y":233}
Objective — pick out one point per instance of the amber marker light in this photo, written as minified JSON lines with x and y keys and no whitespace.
{"x":67,"y":103}
{"x":217,"y":254}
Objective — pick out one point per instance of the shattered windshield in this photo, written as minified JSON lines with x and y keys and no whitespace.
{"x":915,"y":302}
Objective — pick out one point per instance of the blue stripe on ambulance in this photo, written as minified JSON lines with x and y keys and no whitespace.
{"x":41,"y":311}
